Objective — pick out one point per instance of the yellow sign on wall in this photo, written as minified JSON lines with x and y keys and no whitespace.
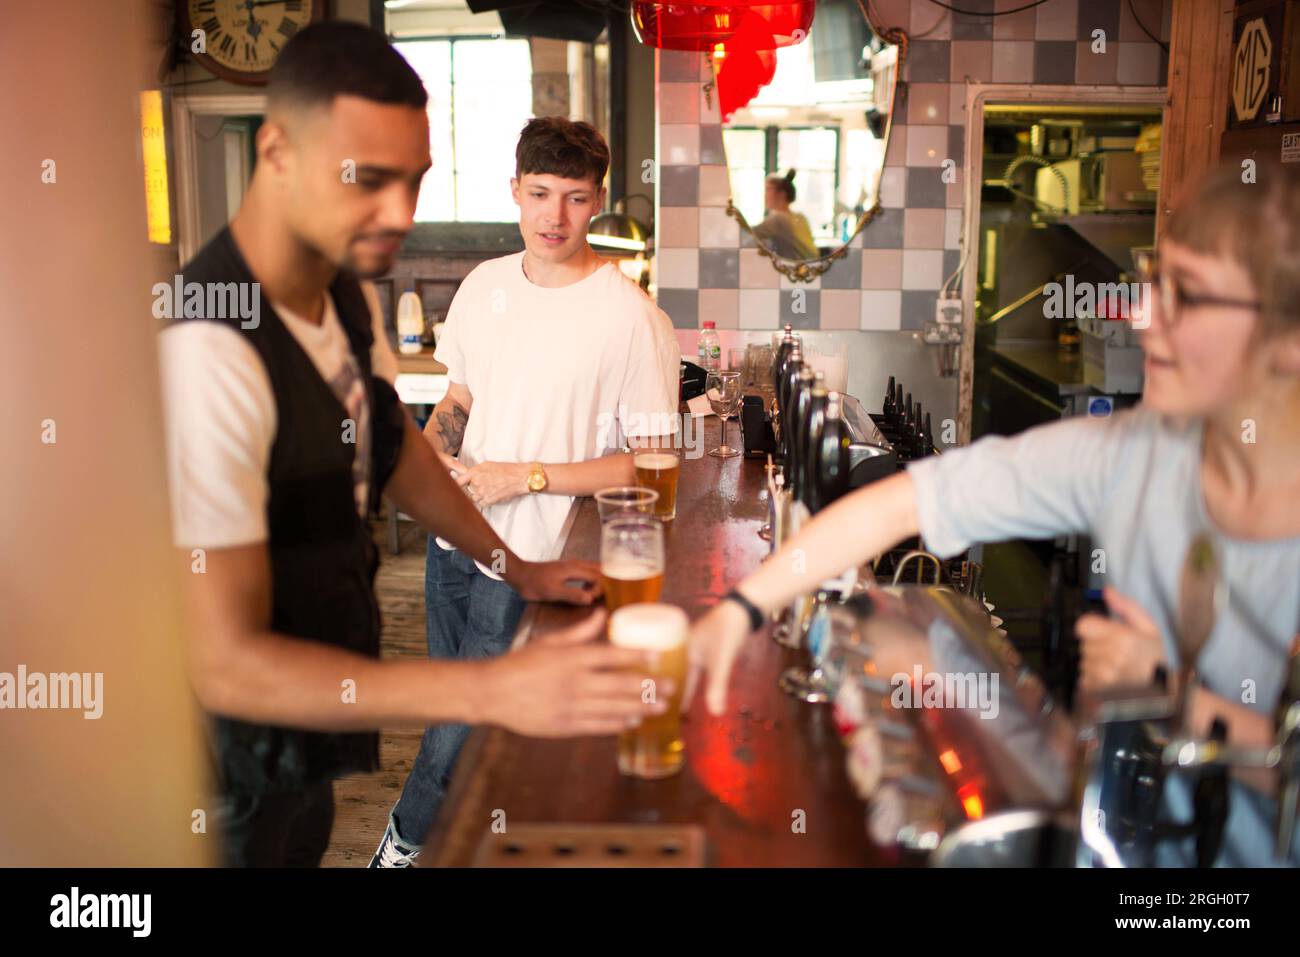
{"x":154,"y":151}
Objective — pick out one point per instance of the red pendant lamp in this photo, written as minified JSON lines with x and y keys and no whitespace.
{"x":743,"y":67}
{"x":702,"y":24}
{"x":742,"y":36}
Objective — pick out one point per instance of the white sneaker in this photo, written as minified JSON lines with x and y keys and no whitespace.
{"x":393,"y":851}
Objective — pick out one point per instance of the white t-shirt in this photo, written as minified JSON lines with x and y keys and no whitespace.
{"x":557,"y":375}
{"x":220,"y":419}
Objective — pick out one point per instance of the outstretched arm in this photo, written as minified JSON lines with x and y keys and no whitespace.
{"x":879,"y":516}
{"x":566,"y":684}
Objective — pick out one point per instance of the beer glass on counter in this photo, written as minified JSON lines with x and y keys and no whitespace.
{"x":631,"y":560}
{"x":625,"y":500}
{"x":654,"y":748}
{"x":658,"y":470}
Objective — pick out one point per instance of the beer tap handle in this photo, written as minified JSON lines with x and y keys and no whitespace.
{"x":1288,"y":744}
{"x":1210,"y":803}
{"x":1284,"y":756}
{"x":1288,"y":795}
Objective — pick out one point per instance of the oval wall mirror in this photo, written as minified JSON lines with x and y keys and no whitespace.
{"x":806,"y":153}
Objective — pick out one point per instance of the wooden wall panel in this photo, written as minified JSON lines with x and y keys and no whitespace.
{"x":1196,"y":110}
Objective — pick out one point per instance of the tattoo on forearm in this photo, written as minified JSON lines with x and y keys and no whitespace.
{"x":451,"y":429}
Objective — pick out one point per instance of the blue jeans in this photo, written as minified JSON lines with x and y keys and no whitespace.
{"x":467,"y":615}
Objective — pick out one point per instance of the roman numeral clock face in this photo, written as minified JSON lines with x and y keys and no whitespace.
{"x":243,"y":37}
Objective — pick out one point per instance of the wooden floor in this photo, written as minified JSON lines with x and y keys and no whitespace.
{"x":362,"y":801}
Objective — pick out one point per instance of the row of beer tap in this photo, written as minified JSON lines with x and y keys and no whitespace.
{"x":812,"y":443}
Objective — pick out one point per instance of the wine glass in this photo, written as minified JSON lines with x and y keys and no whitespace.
{"x":724,"y":391}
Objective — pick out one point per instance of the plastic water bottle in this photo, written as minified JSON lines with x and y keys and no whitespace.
{"x":709,"y":348}
{"x":410,"y":323}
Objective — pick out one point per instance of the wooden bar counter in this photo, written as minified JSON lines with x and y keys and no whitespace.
{"x":749,"y":773}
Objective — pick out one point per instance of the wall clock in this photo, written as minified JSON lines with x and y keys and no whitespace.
{"x":243,"y":37}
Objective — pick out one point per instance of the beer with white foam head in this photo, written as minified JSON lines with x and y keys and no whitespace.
{"x":654,"y":748}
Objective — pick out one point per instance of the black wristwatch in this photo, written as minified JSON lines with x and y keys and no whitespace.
{"x":755,"y":616}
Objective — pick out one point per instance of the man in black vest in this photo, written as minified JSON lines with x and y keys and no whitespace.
{"x":279,"y":443}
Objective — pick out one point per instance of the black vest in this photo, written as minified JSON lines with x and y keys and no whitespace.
{"x":323,"y":558}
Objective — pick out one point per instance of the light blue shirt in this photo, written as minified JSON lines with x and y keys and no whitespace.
{"x":1132,"y":482}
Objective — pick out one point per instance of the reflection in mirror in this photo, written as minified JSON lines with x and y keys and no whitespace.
{"x":806,"y":153}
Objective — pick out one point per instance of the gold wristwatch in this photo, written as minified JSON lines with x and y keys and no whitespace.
{"x":536,"y":478}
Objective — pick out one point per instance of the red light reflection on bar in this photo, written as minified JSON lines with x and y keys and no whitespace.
{"x":971,"y":802}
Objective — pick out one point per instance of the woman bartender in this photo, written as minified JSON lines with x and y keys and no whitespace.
{"x":1214,"y":447}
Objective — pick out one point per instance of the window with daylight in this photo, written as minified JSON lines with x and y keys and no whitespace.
{"x":754,"y":153}
{"x":480,"y":96}
{"x":746,"y":150}
{"x":813,"y":153}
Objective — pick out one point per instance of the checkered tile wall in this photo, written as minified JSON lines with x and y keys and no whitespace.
{"x":706,"y":268}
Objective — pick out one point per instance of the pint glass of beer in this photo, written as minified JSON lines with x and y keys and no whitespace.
{"x":654,"y":748}
{"x":658,"y":470}
{"x":631,"y":560}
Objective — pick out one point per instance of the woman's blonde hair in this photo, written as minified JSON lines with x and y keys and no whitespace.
{"x":1255,"y":224}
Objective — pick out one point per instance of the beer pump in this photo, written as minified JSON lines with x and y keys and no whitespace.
{"x":821,"y":447}
{"x":1188,"y":753}
{"x":786,"y":365}
{"x":781,"y":363}
{"x":1127,"y":757}
{"x":1288,"y":756}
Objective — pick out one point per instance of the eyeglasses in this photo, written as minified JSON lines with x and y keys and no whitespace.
{"x":1174,"y":299}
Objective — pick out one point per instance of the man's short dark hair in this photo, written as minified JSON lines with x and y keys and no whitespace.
{"x":562,"y":147}
{"x":341,"y":58}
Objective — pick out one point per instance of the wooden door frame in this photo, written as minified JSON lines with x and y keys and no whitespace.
{"x":184,"y":111}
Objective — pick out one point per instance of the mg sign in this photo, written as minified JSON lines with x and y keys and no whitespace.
{"x":1250,"y":63}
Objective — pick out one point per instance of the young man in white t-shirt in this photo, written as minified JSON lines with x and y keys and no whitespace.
{"x":556,"y":360}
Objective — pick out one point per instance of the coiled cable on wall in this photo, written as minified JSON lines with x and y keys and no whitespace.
{"x":1020,"y":161}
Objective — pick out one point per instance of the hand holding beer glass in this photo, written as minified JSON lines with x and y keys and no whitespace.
{"x":654,"y":748}
{"x":631,"y":560}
